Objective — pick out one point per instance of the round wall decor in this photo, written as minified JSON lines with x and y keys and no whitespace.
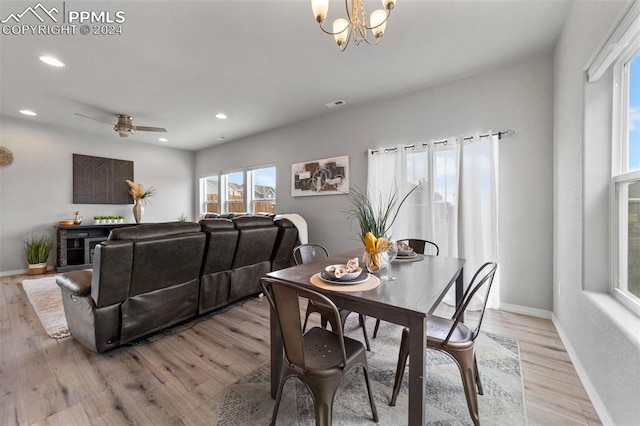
{"x":6,"y":156}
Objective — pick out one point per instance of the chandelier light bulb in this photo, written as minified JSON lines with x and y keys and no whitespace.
{"x":340,"y":30}
{"x":320,"y":9}
{"x":378,"y":22}
{"x":388,"y":4}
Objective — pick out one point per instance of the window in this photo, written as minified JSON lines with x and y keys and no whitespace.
{"x":209,"y":187}
{"x":626,"y":178}
{"x":233,"y":192}
{"x":262,"y":197}
{"x":225,"y":193}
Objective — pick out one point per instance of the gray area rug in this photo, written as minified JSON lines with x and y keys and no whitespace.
{"x":46,"y":298}
{"x":248,"y":401}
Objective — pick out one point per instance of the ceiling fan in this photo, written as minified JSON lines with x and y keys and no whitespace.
{"x":125,"y":126}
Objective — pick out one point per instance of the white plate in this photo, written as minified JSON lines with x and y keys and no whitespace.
{"x":364,"y":275}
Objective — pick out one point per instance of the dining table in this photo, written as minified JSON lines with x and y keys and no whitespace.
{"x":409,"y":300}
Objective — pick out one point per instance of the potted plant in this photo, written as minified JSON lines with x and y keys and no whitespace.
{"x":140,"y":196}
{"x":37,"y":249}
{"x":375,"y":218}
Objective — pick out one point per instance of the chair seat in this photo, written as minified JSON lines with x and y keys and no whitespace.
{"x":438,"y":328}
{"x":322,"y":351}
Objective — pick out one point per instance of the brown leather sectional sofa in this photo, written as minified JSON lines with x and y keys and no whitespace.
{"x":149,"y":277}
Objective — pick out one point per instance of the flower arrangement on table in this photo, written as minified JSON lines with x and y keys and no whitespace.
{"x":375,"y":218}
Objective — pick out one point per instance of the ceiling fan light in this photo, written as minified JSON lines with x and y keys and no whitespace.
{"x":341,"y":30}
{"x":320,"y":9}
{"x":378,"y":22}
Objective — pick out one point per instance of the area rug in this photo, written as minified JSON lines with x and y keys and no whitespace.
{"x":46,"y":299}
{"x":248,"y":401}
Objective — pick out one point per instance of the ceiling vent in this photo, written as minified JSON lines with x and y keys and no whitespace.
{"x":334,"y":104}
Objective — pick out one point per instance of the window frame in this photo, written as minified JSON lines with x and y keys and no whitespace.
{"x":224,"y":201}
{"x":251,"y":200}
{"x":202,"y":202}
{"x":621,"y":177}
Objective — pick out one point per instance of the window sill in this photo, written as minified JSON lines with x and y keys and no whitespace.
{"x":624,"y":319}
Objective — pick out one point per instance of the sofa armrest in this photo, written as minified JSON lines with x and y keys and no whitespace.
{"x":77,"y":283}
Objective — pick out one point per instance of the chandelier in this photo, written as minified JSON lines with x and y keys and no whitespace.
{"x":355,"y":26}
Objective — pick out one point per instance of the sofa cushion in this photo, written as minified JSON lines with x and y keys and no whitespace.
{"x":153,"y":230}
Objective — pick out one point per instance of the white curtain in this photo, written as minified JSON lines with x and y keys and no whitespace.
{"x":455,"y":205}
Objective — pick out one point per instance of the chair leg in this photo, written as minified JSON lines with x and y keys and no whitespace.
{"x":375,"y":329}
{"x":323,"y":391}
{"x":466,"y":364}
{"x":478,"y":382}
{"x":403,"y":354}
{"x":361,"y":320}
{"x":283,"y":379}
{"x":363,"y":323}
{"x":374,"y":411}
{"x":306,"y":318}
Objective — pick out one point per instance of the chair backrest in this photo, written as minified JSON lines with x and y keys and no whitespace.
{"x":483,"y":276}
{"x":421,"y":246}
{"x":307,"y":253}
{"x":285,"y":303}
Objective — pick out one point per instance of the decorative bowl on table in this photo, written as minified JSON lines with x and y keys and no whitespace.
{"x":404,"y":249}
{"x":342,"y":272}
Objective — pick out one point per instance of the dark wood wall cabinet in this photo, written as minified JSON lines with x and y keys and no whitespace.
{"x":76,"y":244}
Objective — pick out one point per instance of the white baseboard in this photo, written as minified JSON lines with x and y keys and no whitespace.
{"x":599,"y":406}
{"x":525,"y":310}
{"x":21,"y":272}
{"x":16,"y":272}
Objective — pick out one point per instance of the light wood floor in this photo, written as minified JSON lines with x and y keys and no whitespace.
{"x":168,"y":378}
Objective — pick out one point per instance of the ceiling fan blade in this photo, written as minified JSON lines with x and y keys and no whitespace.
{"x":91,"y":118}
{"x":148,"y":129}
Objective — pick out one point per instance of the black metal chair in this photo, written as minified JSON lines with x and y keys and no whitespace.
{"x":422,"y":246}
{"x":319,"y":358}
{"x":307,"y":253}
{"x":419,"y":246}
{"x":455,"y":339}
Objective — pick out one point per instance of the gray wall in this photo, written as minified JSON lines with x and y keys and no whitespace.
{"x":36,"y":190}
{"x":602,"y":336}
{"x":515,"y":97}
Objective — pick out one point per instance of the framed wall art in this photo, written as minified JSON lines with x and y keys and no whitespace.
{"x":98,"y":180}
{"x":320,"y":177}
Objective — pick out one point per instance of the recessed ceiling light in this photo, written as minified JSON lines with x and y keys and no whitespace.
{"x":27,"y":112}
{"x":163,"y":140}
{"x":221,"y":138}
{"x":221,"y":116}
{"x":50,"y":60}
{"x":334,"y":104}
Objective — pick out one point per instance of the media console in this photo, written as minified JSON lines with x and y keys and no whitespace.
{"x":76,"y":243}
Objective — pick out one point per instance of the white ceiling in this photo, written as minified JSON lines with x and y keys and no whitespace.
{"x":263,"y":63}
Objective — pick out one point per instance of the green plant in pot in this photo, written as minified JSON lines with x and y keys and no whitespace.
{"x":37,"y":250}
{"x":375,"y":216}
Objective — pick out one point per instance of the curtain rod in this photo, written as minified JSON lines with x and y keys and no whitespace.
{"x":505,"y":133}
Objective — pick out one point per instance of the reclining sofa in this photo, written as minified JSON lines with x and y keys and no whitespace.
{"x":148,"y":277}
